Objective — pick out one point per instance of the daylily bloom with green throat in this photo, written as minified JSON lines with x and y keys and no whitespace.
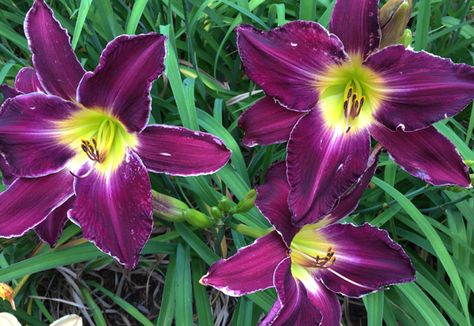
{"x":309,"y":265}
{"x":77,"y":143}
{"x":328,"y":92}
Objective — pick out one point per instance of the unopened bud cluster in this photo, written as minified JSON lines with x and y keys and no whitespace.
{"x":394,"y":17}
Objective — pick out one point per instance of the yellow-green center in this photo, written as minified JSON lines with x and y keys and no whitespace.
{"x":310,"y":250}
{"x":349,"y":95}
{"x":97,"y":136}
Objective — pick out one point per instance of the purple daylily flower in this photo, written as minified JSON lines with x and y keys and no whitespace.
{"x":78,"y":142}
{"x":328,"y":93}
{"x":309,"y":265}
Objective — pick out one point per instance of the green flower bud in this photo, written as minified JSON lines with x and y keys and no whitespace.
{"x":216,"y":212}
{"x":407,"y":38}
{"x":469,"y":162}
{"x":197,"y":218}
{"x":394,"y":17}
{"x":247,"y":203}
{"x":225,"y":204}
{"x":251,"y":231}
{"x":168,"y":208}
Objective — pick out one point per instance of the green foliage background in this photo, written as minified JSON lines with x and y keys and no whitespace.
{"x":205,"y":88}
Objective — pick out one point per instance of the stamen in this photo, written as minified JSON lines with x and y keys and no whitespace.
{"x":309,"y":261}
{"x":362,"y":100}
{"x":352,"y":104}
{"x":91,"y":150}
{"x":349,"y":93}
{"x":326,"y":261}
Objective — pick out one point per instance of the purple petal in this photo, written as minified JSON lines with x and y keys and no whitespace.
{"x":356,"y":23}
{"x":28,"y":134}
{"x":322,"y":165}
{"x":8,"y":92}
{"x":326,"y":302}
{"x":267,"y":122}
{"x":286,"y":61}
{"x":122,"y":81}
{"x":350,"y":200}
{"x":272,"y":201}
{"x":272,"y":315}
{"x":295,"y":307}
{"x":7,"y":175}
{"x":51,"y":228}
{"x":420,"y":88}
{"x":27,"y":81}
{"x":54,"y":60}
{"x":27,"y":202}
{"x":115,"y":211}
{"x":180,"y":151}
{"x":366,"y":260}
{"x":426,"y":154}
{"x":250,"y":269}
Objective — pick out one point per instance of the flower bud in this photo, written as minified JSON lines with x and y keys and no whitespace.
{"x":168,"y":208}
{"x":394,"y":17}
{"x":216,"y":212}
{"x":197,"y":218}
{"x":251,"y":231}
{"x":246,"y":203}
{"x":407,"y":38}
{"x":225,"y":204}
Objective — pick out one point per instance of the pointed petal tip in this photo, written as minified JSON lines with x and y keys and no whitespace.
{"x":26,"y":81}
{"x":183,"y":152}
{"x":203,"y":279}
{"x":57,"y":67}
{"x":425,"y":154}
{"x":250,"y":269}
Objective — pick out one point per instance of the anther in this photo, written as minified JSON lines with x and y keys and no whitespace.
{"x":91,"y":150}
{"x":326,"y":261}
{"x":349,"y":93}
